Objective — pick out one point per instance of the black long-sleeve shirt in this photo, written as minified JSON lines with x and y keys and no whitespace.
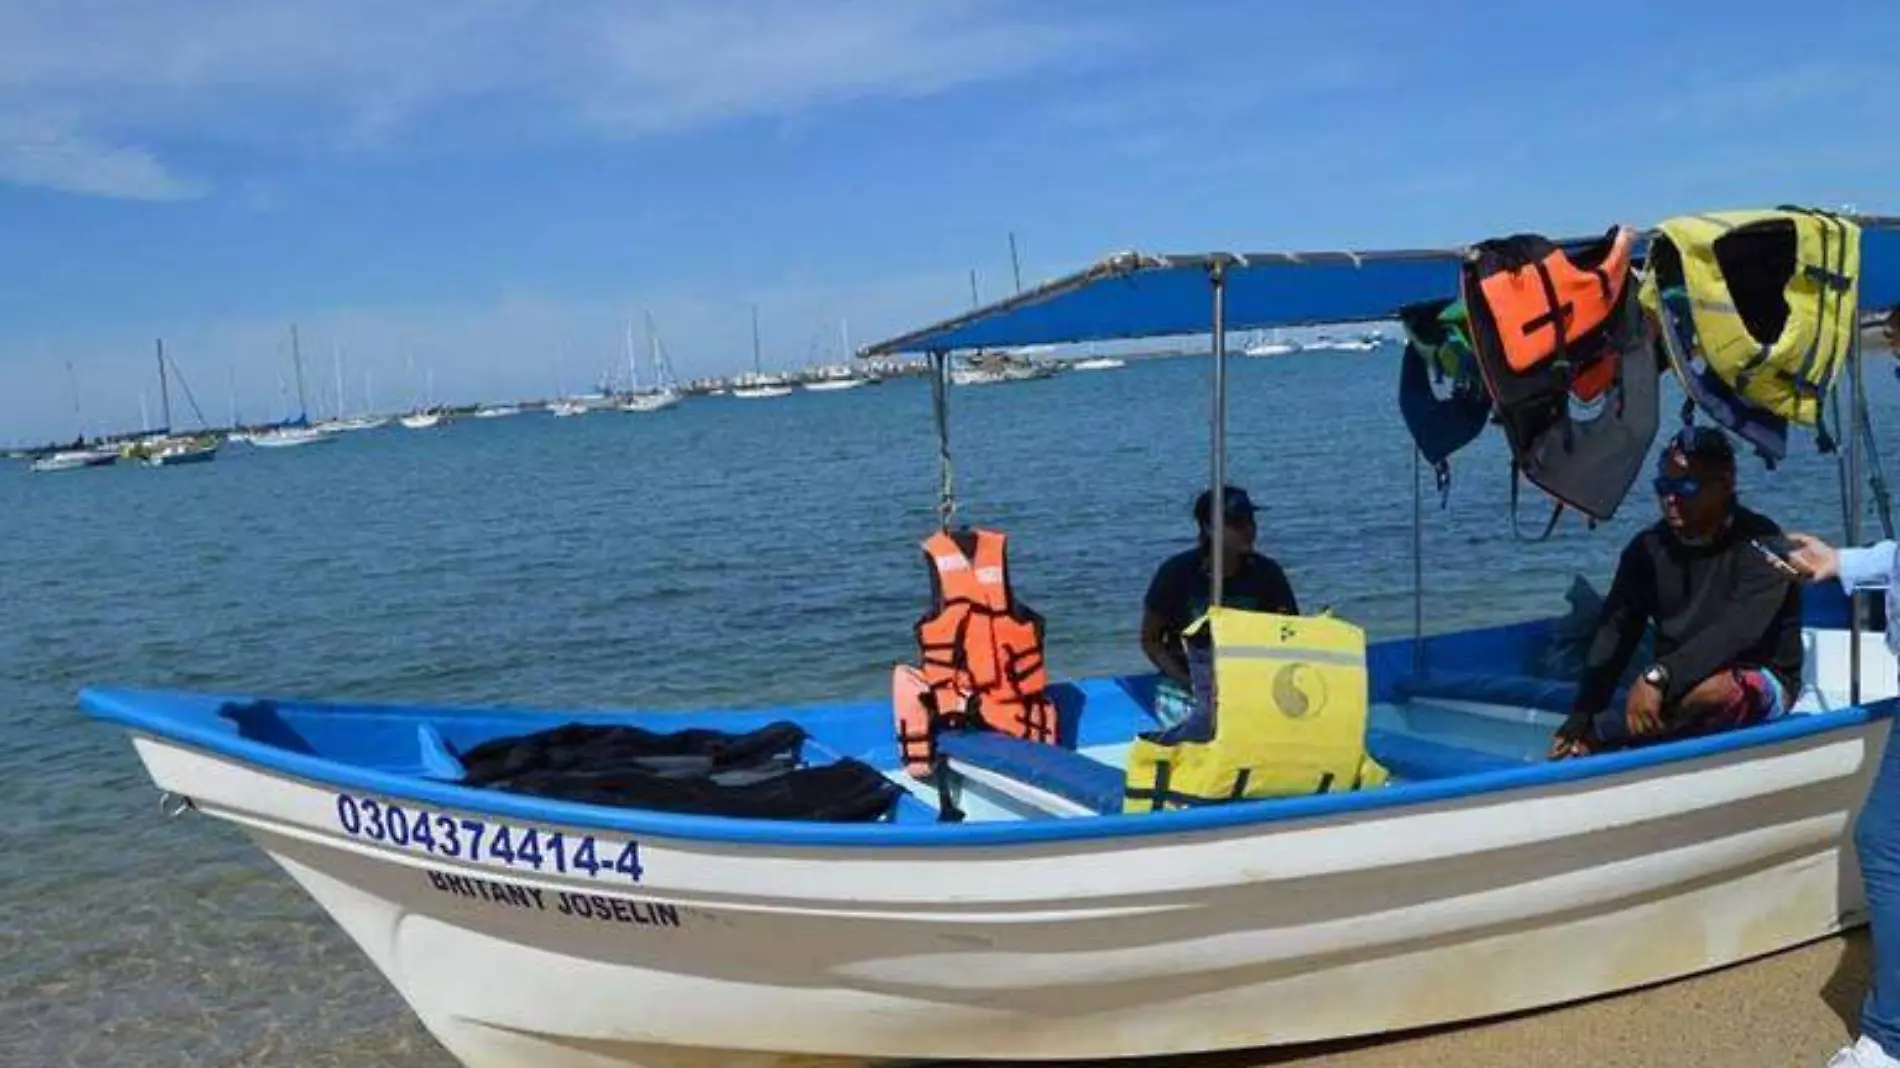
{"x":1713,"y":605}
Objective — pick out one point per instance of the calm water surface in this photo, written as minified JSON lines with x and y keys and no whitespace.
{"x":728,"y":552}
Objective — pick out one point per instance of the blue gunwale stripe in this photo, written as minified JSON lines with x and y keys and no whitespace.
{"x":330,"y":774}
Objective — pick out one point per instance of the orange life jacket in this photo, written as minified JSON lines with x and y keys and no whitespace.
{"x":1540,"y":299}
{"x":982,"y":654}
{"x":1560,"y":341}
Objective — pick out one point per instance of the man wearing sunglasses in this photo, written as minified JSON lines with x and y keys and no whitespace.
{"x":1727,"y":621}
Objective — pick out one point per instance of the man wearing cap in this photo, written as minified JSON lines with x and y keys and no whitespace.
{"x":1727,"y":621}
{"x":1181,"y":589}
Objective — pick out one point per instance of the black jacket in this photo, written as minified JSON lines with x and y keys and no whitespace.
{"x":1712,"y":605}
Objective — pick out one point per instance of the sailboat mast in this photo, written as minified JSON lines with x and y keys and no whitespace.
{"x":757,"y":368}
{"x":653,"y":350}
{"x":336,"y":352}
{"x":164,"y":387}
{"x":296,"y":359}
{"x":79,"y":420}
{"x":633,"y":373}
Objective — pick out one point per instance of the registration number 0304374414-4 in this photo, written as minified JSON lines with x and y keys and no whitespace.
{"x":459,"y":838}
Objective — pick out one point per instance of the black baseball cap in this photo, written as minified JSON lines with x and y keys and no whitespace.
{"x":1235,"y":504}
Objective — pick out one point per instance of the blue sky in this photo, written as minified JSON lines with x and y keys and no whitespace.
{"x":489,"y":183}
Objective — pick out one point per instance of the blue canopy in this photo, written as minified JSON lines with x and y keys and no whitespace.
{"x":1134,"y":295}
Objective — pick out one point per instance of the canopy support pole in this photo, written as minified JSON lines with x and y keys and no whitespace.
{"x":1854,"y":509}
{"x":1418,"y":564}
{"x":1217,"y":511}
{"x":940,"y":413}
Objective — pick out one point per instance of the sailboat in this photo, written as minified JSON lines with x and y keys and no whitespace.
{"x":1273,"y":345}
{"x":565,"y":407}
{"x":170,"y":450}
{"x":300,"y":432}
{"x":835,"y":377}
{"x":343,"y":423}
{"x":663,"y":395}
{"x":423,"y":417}
{"x":81,"y":456}
{"x":758,"y":385}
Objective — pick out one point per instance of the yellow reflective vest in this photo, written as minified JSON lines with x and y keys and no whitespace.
{"x":1774,"y":299}
{"x":1289,"y":717}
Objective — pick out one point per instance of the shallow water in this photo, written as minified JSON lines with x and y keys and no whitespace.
{"x":725,"y":553}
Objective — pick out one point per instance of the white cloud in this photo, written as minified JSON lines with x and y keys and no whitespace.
{"x":92,"y":79}
{"x":38,"y":151}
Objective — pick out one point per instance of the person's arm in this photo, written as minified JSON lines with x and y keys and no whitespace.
{"x":1868,"y":568}
{"x":1619,"y":630}
{"x":1158,"y":640}
{"x":1280,"y":599}
{"x":1754,"y":600}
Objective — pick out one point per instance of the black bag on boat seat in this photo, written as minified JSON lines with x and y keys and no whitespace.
{"x":692,"y":753}
{"x":849,"y":791}
{"x":1561,"y":340}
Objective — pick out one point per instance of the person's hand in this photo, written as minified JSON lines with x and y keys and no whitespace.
{"x":1572,"y":739}
{"x":1643,"y":709}
{"x":1568,"y":747}
{"x":1815,"y":559}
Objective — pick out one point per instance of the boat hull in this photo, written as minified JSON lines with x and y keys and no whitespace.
{"x":1256,"y":934}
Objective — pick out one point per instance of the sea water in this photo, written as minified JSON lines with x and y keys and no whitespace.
{"x":726,"y":552}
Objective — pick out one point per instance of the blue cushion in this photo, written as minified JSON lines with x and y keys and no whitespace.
{"x":1063,"y":772}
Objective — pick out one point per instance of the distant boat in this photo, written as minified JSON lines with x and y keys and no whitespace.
{"x":1097,"y":363}
{"x":832,"y":385}
{"x":998,"y":367}
{"x":649,"y":402}
{"x":287,"y":437}
{"x":568,"y":408}
{"x":74,"y":459}
{"x":664,"y":393}
{"x":180,"y":451}
{"x":1271,"y":346}
{"x":354,"y":423}
{"x":421,"y":420}
{"x":166,"y":449}
{"x":501,"y":412}
{"x":758,"y":385}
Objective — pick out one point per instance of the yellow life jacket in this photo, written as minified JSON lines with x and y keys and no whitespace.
{"x":1289,"y":717}
{"x":1774,"y":297}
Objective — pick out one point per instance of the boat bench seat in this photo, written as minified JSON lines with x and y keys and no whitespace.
{"x":1063,"y":772}
{"x":1416,"y":759}
{"x":1519,"y":691}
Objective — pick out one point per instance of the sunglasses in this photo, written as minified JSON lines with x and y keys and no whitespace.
{"x":1677,"y":486}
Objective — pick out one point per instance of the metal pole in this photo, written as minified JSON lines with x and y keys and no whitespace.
{"x":940,"y":414}
{"x":1418,"y":565}
{"x":1217,"y":512}
{"x":1853,"y":509}
{"x":1014,"y":266}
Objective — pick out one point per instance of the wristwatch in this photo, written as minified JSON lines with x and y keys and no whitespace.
{"x":1656,"y":675}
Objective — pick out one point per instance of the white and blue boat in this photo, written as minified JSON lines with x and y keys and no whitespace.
{"x":525,"y":930}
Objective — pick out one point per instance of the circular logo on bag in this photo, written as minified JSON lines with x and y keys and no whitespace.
{"x":1299,"y":691}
